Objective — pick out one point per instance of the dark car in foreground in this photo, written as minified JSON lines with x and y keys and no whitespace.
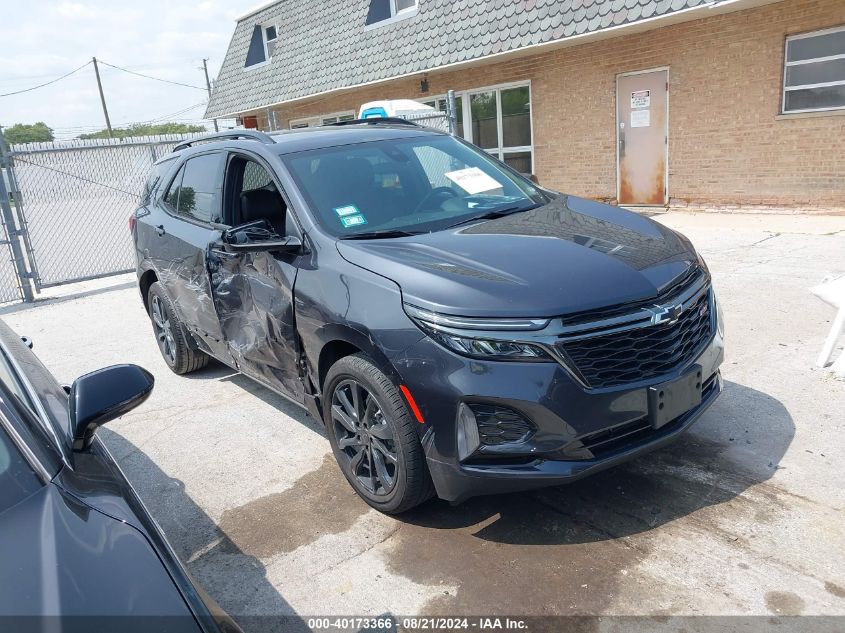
{"x":79,"y":550}
{"x":459,"y":329}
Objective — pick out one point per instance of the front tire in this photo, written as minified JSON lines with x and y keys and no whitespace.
{"x":374,"y":436}
{"x":171,"y":336}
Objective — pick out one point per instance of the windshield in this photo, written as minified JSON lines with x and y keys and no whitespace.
{"x":410,"y":185}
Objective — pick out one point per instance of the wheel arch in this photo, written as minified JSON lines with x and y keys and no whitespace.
{"x":147,"y":279}
{"x":339,"y":341}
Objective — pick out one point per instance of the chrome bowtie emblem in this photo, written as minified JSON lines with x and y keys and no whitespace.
{"x":666,"y":314}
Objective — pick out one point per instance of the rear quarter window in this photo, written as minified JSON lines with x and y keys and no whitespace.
{"x":158,"y":172}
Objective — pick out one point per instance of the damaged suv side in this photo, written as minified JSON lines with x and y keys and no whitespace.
{"x":459,"y":330}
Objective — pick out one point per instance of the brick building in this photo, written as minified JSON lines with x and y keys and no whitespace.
{"x":731,"y":103}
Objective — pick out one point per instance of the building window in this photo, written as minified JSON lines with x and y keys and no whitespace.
{"x":385,"y":11}
{"x":500,"y":123}
{"x":262,"y":45}
{"x":498,"y":120}
{"x":439,"y":103}
{"x":814,"y":73}
{"x":323,"y":119}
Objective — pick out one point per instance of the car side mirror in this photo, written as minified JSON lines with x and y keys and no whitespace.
{"x":289,"y":244}
{"x":104,"y":395}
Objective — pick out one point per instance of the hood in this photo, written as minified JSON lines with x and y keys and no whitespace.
{"x":567,"y":256}
{"x":62,"y":558}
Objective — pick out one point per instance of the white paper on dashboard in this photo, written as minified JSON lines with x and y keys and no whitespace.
{"x":473,"y":180}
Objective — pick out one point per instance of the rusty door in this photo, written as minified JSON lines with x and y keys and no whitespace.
{"x":642,"y":108}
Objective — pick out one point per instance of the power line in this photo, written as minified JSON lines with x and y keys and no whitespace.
{"x":167,"y":81}
{"x":47,"y":83}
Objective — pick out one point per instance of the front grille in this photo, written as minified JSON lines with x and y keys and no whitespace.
{"x":608,"y":441}
{"x":640,"y":352}
{"x":498,"y":425}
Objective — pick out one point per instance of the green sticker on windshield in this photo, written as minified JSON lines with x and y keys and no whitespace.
{"x":349,"y":209}
{"x":350,"y":221}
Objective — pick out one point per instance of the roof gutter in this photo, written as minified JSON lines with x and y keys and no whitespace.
{"x":714,"y":7}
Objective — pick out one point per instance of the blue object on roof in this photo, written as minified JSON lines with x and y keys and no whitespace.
{"x":373,"y":113}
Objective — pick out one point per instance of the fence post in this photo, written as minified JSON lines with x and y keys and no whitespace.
{"x":452,"y":108}
{"x":26,"y":276}
{"x":12,"y":232}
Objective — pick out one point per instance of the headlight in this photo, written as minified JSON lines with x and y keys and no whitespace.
{"x":451,"y":332}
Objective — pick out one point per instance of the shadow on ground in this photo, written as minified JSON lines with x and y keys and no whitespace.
{"x":237,"y":581}
{"x":581,"y":539}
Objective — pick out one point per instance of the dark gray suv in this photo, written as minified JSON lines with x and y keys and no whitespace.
{"x":459,"y":329}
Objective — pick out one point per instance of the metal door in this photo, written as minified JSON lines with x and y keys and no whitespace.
{"x":642,"y":116}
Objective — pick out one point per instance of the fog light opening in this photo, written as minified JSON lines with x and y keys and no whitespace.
{"x":467,"y":427}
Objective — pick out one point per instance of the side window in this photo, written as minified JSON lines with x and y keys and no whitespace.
{"x":255,"y":177}
{"x":197,"y":191}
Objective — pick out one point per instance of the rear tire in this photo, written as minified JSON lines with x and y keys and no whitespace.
{"x":374,"y":436}
{"x":171,"y":335}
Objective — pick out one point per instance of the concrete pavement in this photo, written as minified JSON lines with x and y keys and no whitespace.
{"x":742,"y":516}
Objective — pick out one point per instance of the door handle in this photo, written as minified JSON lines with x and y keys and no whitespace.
{"x":160,"y":230}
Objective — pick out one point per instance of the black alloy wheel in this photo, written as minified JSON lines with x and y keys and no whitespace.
{"x":163,"y":330}
{"x":365,"y":437}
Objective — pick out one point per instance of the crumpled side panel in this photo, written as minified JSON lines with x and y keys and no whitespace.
{"x":253,"y":297}
{"x":186,"y":280}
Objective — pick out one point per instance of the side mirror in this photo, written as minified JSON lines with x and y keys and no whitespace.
{"x":104,"y":395}
{"x":288,"y":244}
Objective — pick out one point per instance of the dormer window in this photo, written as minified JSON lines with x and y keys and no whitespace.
{"x":386,"y":11}
{"x":262,"y":45}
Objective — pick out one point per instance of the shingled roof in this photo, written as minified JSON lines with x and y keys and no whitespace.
{"x":322,"y":48}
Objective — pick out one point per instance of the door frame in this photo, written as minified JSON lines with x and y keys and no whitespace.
{"x":666,"y":133}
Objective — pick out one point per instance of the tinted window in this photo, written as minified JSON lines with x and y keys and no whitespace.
{"x":198,"y":189}
{"x":156,"y":174}
{"x":17,"y":481}
{"x":171,"y":198}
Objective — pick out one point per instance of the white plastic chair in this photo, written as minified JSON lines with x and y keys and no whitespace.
{"x":832,"y":291}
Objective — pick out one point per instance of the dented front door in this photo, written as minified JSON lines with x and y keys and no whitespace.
{"x":642,"y":136}
{"x":253,"y":298}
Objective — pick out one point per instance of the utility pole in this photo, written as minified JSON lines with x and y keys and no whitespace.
{"x":102,"y":98}
{"x":208,"y":85}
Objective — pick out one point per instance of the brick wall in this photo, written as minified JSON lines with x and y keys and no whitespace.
{"x":728,"y":146}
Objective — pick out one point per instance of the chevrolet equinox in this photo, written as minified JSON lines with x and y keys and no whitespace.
{"x":459,"y":330}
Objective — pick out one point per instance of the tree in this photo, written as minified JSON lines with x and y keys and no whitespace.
{"x":23,"y":133}
{"x":142,"y":129}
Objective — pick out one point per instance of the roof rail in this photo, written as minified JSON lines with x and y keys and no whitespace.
{"x":232,"y":135}
{"x":390,"y":120}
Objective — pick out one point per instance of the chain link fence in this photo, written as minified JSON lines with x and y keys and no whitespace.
{"x":71,"y":202}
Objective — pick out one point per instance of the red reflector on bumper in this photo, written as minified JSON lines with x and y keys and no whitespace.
{"x":414,"y":408}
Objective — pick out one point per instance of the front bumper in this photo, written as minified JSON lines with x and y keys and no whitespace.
{"x":560,"y":409}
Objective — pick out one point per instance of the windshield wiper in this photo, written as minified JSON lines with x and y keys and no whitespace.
{"x":495,"y":213}
{"x":375,"y":235}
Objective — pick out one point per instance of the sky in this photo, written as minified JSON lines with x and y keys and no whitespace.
{"x":155,"y":37}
